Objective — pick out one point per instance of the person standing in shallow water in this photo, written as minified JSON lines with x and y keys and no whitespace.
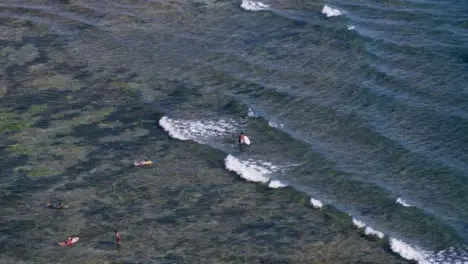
{"x":117,"y":237}
{"x":241,"y":138}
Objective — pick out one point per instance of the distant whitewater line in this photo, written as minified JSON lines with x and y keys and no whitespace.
{"x":250,"y":5}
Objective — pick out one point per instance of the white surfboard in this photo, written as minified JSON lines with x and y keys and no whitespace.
{"x":246,"y":140}
{"x":73,"y":241}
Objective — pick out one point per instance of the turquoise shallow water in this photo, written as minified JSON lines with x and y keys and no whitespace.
{"x":365,"y":110}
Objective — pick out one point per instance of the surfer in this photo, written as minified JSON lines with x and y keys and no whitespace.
{"x":241,"y":137}
{"x":56,"y":206}
{"x":117,"y":237}
{"x":69,"y":241}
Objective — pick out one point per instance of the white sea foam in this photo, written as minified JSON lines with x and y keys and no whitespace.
{"x":255,"y":171}
{"x":316,"y":203}
{"x":197,"y":130}
{"x":274,"y":124}
{"x":368,"y":231}
{"x":358,"y":223}
{"x":402,"y":202}
{"x":275,"y":184}
{"x":371,"y":231}
{"x":250,"y":5}
{"x":446,"y":256}
{"x":251,"y":113}
{"x":409,"y":252}
{"x":331,"y":12}
{"x":450,"y":255}
{"x":351,"y":27}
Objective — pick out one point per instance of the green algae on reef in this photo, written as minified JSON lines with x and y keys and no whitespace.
{"x":19,"y":149}
{"x":49,"y":161}
{"x":83,"y":116}
{"x":41,"y":171}
{"x":56,"y":81}
{"x":36,"y":109}
{"x":131,"y":86}
{"x":125,"y":135}
{"x":47,"y":155}
{"x":11,"y":122}
{"x":23,"y":55}
{"x":110,"y":124}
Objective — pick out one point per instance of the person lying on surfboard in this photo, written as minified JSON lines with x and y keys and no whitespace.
{"x":142,"y":163}
{"x":70,"y":241}
{"x":55,"y":206}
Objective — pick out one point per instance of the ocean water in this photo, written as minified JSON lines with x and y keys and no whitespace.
{"x":362,"y":106}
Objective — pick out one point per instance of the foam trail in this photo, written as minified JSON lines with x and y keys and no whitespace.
{"x":331,"y":12}
{"x":402,"y":202}
{"x":250,"y":5}
{"x":316,"y":203}
{"x":368,"y":231}
{"x":200,"y":131}
{"x":351,"y":27}
{"x":271,"y":123}
{"x":274,"y":124}
{"x":275,"y":184}
{"x":249,"y":170}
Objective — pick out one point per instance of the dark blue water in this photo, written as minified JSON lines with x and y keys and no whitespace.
{"x":362,"y":105}
{"x":370,"y":105}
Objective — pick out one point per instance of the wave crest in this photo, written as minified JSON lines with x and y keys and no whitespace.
{"x":200,"y":131}
{"x":250,"y":5}
{"x":331,"y":12}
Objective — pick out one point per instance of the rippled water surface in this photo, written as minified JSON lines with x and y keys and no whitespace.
{"x":360,"y":108}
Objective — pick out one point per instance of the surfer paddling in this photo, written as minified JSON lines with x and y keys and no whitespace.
{"x":70,"y":241}
{"x":58,"y":205}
